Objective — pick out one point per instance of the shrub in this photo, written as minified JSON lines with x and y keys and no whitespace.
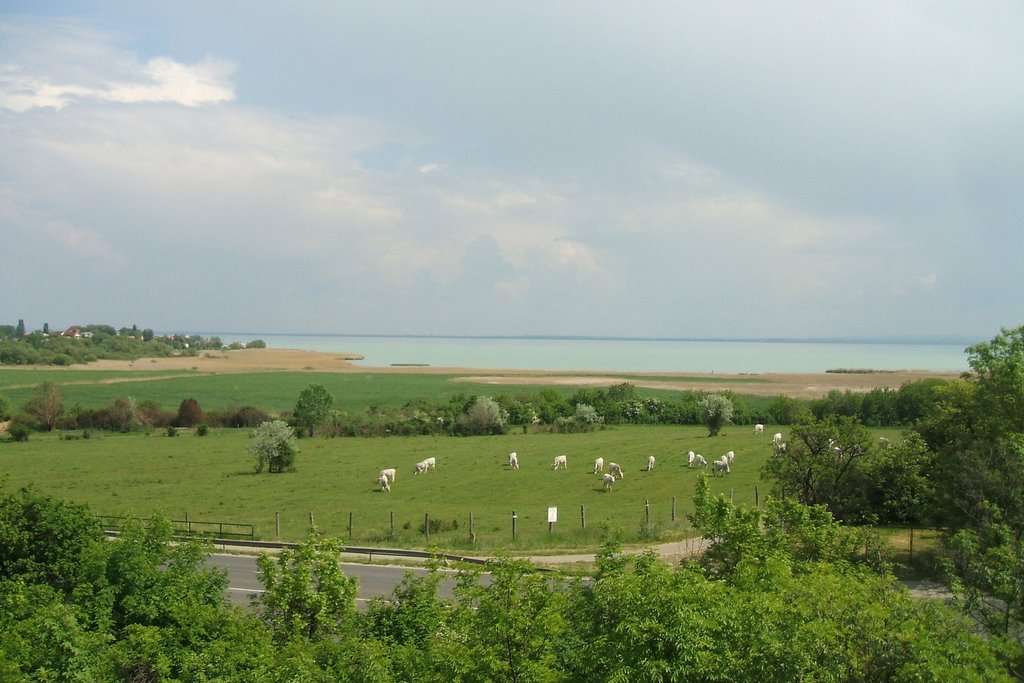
{"x":19,"y":432}
{"x":202,"y":430}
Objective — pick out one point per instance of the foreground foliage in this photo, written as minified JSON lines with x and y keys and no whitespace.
{"x":777,"y":599}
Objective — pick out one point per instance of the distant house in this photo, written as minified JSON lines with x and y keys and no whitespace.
{"x":71,"y":332}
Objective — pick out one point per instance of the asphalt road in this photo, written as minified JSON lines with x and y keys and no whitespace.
{"x":374,"y":580}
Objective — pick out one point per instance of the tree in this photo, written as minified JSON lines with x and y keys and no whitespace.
{"x":306,"y":595}
{"x":822,"y":466}
{"x":312,"y":407}
{"x":273,"y":446}
{"x":190,"y":413}
{"x":483,"y":416}
{"x":717,"y":411}
{"x":45,"y":403}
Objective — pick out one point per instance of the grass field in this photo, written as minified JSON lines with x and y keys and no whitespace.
{"x":273,"y":392}
{"x":212,"y":479}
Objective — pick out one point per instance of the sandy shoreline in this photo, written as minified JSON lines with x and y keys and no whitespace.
{"x":797,"y":385}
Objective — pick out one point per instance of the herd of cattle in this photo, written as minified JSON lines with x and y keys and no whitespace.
{"x":722,"y":466}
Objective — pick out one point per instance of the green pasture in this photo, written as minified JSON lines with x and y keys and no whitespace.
{"x":273,"y":392}
{"x":211,"y":479}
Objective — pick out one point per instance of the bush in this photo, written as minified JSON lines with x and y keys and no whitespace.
{"x":202,"y":430}
{"x":172,"y":430}
{"x":19,"y":432}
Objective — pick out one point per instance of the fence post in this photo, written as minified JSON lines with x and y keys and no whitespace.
{"x":472,"y":532}
{"x":277,"y":526}
{"x":757,"y":497}
{"x":513,"y":525}
{"x":312,"y":522}
{"x":673,"y":508}
{"x":350,"y":526}
{"x":647,"y":512}
{"x":426,"y":526}
{"x":583,"y":517}
{"x":392,"y":522}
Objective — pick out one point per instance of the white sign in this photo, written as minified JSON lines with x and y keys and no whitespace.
{"x":552,"y":515}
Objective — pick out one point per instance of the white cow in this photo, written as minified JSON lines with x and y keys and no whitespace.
{"x":777,"y":437}
{"x":383,"y":481}
{"x":699,"y":461}
{"x":421,"y":467}
{"x":608,"y":481}
{"x":759,"y":429}
{"x":598,"y":465}
{"x":513,"y":461}
{"x":729,"y":457}
{"x":720,"y":466}
{"x":616,"y":470}
{"x":561,"y":463}
{"x":389,"y":473}
{"x":431,"y":462}
{"x":650,"y":463}
{"x":691,"y":456}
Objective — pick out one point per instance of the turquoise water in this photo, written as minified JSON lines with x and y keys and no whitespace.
{"x":624,"y":355}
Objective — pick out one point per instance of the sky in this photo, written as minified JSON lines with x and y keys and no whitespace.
{"x":657,"y":169}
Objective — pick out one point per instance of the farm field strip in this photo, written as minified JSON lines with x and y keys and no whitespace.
{"x":211,"y":479}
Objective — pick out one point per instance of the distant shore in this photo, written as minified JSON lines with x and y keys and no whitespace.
{"x":796,"y":385}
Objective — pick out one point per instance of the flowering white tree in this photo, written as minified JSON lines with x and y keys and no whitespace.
{"x":717,"y":411}
{"x":273,"y":446}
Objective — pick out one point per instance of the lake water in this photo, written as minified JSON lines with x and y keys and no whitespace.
{"x":623,"y":355}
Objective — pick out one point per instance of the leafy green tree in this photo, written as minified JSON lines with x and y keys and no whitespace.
{"x":716,"y":411}
{"x":306,"y":594}
{"x":785,"y":410}
{"x":273,"y":446}
{"x":822,"y":466}
{"x":45,"y":404}
{"x":312,"y":407}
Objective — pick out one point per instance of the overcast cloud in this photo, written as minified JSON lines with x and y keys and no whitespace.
{"x":671,"y":169}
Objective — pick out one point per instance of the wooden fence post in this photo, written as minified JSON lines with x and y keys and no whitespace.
{"x":513,"y":525}
{"x":277,"y":526}
{"x":188,"y":526}
{"x":673,"y":508}
{"x":312,"y":522}
{"x":426,"y":526}
{"x":583,"y":517}
{"x":472,"y":532}
{"x":647,"y":512}
{"x":392,"y":522}
{"x":757,"y":497}
{"x":350,"y":526}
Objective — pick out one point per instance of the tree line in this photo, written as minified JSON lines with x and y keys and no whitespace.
{"x":87,"y":343}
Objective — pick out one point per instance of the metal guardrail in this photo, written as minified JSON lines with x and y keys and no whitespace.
{"x":190,"y":530}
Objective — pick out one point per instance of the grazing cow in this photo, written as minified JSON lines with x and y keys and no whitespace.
{"x":608,"y":481}
{"x":780,"y":448}
{"x":389,"y":473}
{"x":690,"y":457}
{"x":729,"y":457}
{"x":561,"y":463}
{"x":777,"y":437}
{"x":421,"y":467}
{"x":513,"y":461}
{"x":759,"y":429}
{"x":720,"y":466}
{"x":431,"y":462}
{"x":699,"y":461}
{"x":650,"y":463}
{"x":598,"y":465}
{"x":616,"y":470}
{"x":383,"y":481}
